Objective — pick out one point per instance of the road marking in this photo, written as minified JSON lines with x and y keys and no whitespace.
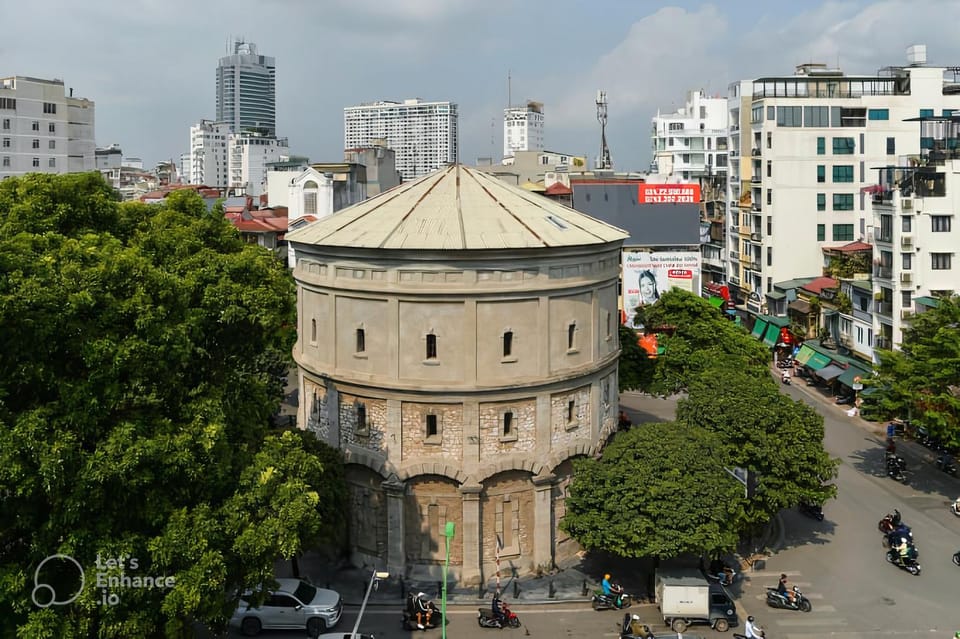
{"x":548,"y":610}
{"x":812,"y":595}
{"x":811,"y":622}
{"x":772,"y":573}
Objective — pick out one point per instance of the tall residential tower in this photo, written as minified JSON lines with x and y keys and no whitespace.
{"x":247,"y":90}
{"x":422,"y":134}
{"x":523,"y":128}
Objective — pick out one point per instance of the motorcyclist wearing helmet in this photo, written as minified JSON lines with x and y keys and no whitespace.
{"x":423,"y":610}
{"x":751,"y":630}
{"x":783,"y":589}
{"x":611,"y":591}
{"x":638,"y":629}
{"x":497,"y":607}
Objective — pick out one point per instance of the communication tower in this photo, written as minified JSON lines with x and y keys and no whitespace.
{"x":603,"y":162}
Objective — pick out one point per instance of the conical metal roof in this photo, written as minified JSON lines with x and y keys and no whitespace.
{"x":457,"y":208}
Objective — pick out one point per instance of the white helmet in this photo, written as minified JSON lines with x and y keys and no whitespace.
{"x":637,"y":617}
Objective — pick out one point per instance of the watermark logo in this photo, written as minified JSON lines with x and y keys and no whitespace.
{"x":61,"y":569}
{"x":59,"y":580}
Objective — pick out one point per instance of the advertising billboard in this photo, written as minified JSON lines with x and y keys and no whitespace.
{"x":646,"y":275}
{"x":668,"y":193}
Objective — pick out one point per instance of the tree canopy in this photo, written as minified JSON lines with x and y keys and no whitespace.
{"x":662,"y":490}
{"x":141,"y":361}
{"x":922,"y":379}
{"x":647,"y":495}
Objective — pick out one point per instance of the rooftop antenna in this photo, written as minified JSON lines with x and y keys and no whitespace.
{"x":603,"y":162}
{"x":509,"y":90}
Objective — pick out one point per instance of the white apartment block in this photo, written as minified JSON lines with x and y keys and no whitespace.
{"x":802,"y":149}
{"x":914,"y":236}
{"x":43,"y":128}
{"x":691,"y":143}
{"x":422,"y":134}
{"x":208,"y":154}
{"x":523,"y":128}
{"x":250,"y":155}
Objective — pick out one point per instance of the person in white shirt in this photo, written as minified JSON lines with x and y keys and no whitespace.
{"x":752,"y":630}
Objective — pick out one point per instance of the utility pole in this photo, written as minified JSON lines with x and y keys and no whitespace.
{"x":603,"y":161}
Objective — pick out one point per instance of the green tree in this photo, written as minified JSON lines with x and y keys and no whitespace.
{"x":922,"y":379}
{"x":636,"y":367}
{"x":659,"y":490}
{"x":695,"y":336}
{"x":765,"y":431}
{"x":139,"y":368}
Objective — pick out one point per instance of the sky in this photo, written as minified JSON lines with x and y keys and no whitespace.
{"x":150,"y":64}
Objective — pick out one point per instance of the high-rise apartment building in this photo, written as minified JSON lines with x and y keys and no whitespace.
{"x":208,"y":154}
{"x":246,"y":90}
{"x":914,"y":204}
{"x":802,"y":149}
{"x":249,"y":156}
{"x":523,"y":128}
{"x":423,"y":134}
{"x":43,"y":128}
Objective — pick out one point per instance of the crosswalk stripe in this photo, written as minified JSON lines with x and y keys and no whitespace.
{"x":772,"y":573}
{"x":811,"y":621}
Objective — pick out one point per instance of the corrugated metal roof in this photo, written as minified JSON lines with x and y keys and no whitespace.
{"x":457,"y":208}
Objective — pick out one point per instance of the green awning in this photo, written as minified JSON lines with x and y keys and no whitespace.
{"x":927,"y":301}
{"x":759,"y":326}
{"x":770,"y":337}
{"x":776,"y":295}
{"x":846,"y":378}
{"x":782,"y":322}
{"x":818,"y":361}
{"x":803,"y":355}
{"x":715,"y":301}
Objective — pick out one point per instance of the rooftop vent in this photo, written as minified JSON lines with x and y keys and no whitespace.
{"x":557,"y":222}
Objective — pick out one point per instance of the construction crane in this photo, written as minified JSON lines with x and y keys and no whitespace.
{"x":604,"y":161}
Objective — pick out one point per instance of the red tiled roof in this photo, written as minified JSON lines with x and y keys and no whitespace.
{"x":558,"y":188}
{"x":853,"y":247}
{"x":816,"y":286}
{"x":268,"y":225}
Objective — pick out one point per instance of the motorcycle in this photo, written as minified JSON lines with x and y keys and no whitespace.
{"x":811,"y":510}
{"x":955,"y":508}
{"x":890,"y":521}
{"x":956,"y":558}
{"x":896,"y":537}
{"x":896,"y":468}
{"x":844,"y":399}
{"x":486,"y":618}
{"x":409,"y":620}
{"x":615,"y":601}
{"x":725,"y":576}
{"x":946,"y":464}
{"x":777,"y":599}
{"x":908,"y":563}
{"x":785,"y":378}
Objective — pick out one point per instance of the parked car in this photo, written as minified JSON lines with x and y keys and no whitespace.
{"x":293,"y":605}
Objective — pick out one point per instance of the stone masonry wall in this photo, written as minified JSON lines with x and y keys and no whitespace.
{"x":369,"y":436}
{"x":431,"y":501}
{"x":507,"y":503}
{"x":564,"y":432}
{"x":523,"y":435}
{"x":416,"y":444}
{"x":368,"y":511}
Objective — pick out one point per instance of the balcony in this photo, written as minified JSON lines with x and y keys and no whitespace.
{"x":757,"y":207}
{"x":755,"y":152}
{"x":755,"y":237}
{"x":881,"y":341}
{"x":744,"y":229}
{"x":883,"y":272}
{"x":885,"y":308}
{"x":756,"y":179}
{"x":735,"y":255}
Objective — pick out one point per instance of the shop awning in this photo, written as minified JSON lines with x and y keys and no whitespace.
{"x":800,"y":306}
{"x":846,"y":378}
{"x":775,"y":295}
{"x":759,"y":326}
{"x":818,"y":361}
{"x":927,"y":301}
{"x":716,"y":302}
{"x":770,"y":337}
{"x":804,"y":354}
{"x":829,"y":373}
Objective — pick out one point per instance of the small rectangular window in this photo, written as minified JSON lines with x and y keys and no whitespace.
{"x":361,"y":341}
{"x":843,"y":173}
{"x":432,"y":427}
{"x":361,"y":417}
{"x":821,"y":146}
{"x":878,"y":114}
{"x":313,"y":331}
{"x":49,"y":108}
{"x":52,"y":163}
{"x":842,"y":232}
{"x":35,"y":126}
{"x":6,"y":143}
{"x":609,"y":324}
{"x":507,"y":343}
{"x":940,"y":223}
{"x":36,"y":144}
{"x":891,"y":146}
{"x":36,"y":162}
{"x":6,"y":160}
{"x":51,"y":144}
{"x":571,"y":334}
{"x":821,"y":232}
{"x":821,"y":201}
{"x":431,"y":346}
{"x":821,"y":173}
{"x":507,"y":424}
{"x":843,"y":201}
{"x":843,"y":146}
{"x":6,"y":124}
{"x":52,"y":127}
{"x":571,"y":410}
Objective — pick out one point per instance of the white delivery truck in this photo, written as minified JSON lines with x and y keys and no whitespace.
{"x":685,"y":597}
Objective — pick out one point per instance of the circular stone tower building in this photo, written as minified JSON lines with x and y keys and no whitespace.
{"x":458,"y":339}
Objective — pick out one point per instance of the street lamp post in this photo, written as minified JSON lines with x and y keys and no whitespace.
{"x":374,"y":578}
{"x":448,"y":535}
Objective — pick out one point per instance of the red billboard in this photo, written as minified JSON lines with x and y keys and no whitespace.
{"x":668,"y":194}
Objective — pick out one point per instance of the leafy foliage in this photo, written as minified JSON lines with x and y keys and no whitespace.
{"x":140,"y":366}
{"x":655,"y":492}
{"x":636,"y":367}
{"x":922,"y":379}
{"x":661,"y":490}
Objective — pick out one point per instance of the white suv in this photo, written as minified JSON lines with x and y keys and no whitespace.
{"x":293,"y":605}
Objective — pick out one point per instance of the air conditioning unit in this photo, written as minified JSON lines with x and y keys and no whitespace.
{"x":754,"y":237}
{"x":906,"y":241}
{"x":906,"y":313}
{"x":906,"y":277}
{"x":870,"y":236}
{"x":906,"y":205}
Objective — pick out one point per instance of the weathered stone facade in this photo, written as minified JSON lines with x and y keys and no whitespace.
{"x":458,"y":381}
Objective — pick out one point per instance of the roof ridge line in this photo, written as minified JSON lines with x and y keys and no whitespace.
{"x":463,"y":229}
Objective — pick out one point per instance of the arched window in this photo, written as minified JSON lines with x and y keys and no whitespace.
{"x":310,"y":189}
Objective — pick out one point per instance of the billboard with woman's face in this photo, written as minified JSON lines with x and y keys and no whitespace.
{"x":646,"y":275}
